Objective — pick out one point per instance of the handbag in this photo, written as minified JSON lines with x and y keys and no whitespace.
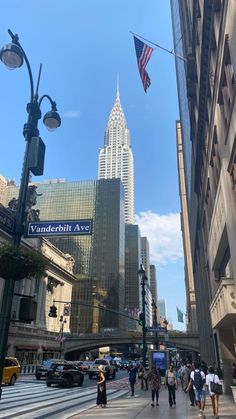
{"x":216,"y":387}
{"x":101,"y":387}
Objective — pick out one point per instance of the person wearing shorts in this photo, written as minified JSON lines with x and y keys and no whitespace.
{"x":200,"y":394}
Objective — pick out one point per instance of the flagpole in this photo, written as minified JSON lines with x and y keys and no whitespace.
{"x":159,"y":46}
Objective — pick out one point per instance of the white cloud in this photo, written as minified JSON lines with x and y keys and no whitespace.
{"x":164,"y":235}
{"x":71,"y":114}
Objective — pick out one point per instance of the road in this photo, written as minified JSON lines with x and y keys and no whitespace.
{"x":32,"y":399}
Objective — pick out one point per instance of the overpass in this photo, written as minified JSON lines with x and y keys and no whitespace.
{"x":188,"y":341}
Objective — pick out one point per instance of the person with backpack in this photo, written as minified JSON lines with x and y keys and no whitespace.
{"x":172,"y":384}
{"x":197,"y":380}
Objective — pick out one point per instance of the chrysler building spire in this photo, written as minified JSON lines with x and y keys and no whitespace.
{"x":116,"y":157}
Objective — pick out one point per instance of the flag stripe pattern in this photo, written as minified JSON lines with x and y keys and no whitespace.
{"x":143,"y":54}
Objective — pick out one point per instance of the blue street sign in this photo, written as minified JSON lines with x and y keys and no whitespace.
{"x":156,"y":329}
{"x":59,"y":228}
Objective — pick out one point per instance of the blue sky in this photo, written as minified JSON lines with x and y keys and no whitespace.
{"x":83,"y":45}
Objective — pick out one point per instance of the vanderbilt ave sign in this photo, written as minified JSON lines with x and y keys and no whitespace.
{"x":59,"y":228}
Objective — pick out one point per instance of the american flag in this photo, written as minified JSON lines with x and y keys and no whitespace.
{"x":143,"y":53}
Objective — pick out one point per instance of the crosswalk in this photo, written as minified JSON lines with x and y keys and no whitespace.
{"x":37,"y":401}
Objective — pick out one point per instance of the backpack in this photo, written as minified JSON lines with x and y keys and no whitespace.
{"x":198,"y":381}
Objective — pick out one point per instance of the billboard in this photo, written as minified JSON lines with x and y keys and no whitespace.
{"x":159,"y":359}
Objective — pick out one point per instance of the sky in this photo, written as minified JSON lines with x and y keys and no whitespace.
{"x":83,"y":46}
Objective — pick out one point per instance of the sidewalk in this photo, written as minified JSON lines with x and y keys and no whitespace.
{"x":139,"y":407}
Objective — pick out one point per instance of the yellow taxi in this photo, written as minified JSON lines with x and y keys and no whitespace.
{"x":11,"y":371}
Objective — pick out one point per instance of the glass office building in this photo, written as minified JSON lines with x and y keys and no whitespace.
{"x":100,"y":257}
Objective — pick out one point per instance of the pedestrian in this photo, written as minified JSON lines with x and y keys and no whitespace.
{"x":191,"y":390}
{"x":101,"y":389}
{"x":212,"y":377}
{"x":197,"y":380}
{"x":132,"y":378}
{"x":234,"y":373}
{"x":145,"y":378}
{"x":154,"y":380}
{"x":141,"y":372}
{"x":172,"y":384}
{"x":184,"y":377}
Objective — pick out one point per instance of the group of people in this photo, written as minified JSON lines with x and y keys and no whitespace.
{"x":195,"y":380}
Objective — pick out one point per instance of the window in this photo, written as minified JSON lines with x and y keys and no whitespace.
{"x":215,"y":162}
{"x":227,"y":85}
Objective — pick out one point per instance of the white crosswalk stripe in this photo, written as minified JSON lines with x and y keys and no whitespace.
{"x":36,"y":401}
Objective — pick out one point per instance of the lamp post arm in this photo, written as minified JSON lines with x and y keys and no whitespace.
{"x":53,"y":104}
{"x":15,"y":40}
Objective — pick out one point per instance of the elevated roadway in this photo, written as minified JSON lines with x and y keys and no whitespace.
{"x":181,"y":340}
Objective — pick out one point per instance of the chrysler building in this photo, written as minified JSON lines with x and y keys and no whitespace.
{"x":116,"y":157}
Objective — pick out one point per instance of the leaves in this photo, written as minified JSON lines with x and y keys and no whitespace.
{"x":18,"y":263}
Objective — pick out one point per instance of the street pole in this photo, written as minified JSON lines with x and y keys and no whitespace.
{"x":62,"y":321}
{"x":143,"y":279}
{"x":155,"y":323}
{"x":13,"y":56}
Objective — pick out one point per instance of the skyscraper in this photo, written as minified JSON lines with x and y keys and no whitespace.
{"x":116,"y":157}
{"x":100,"y":257}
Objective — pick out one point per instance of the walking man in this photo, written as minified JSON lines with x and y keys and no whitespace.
{"x":132,"y":378}
{"x":197,"y":380}
{"x":171,"y":383}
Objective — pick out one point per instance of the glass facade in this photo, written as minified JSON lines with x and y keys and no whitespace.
{"x":132,"y":265}
{"x":99,"y":258}
{"x":181,"y":35}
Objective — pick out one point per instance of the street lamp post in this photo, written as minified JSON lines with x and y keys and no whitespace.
{"x":154,"y":322}
{"x":63,"y":322}
{"x":143,"y":280}
{"x":13,"y":56}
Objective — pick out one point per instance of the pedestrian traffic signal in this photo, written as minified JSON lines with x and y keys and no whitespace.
{"x":53,"y":311}
{"x":27,"y":310}
{"x":140,"y":322}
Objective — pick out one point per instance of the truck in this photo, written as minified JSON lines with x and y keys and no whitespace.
{"x":108,"y":368}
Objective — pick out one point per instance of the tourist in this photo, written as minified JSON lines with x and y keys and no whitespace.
{"x":101,"y":389}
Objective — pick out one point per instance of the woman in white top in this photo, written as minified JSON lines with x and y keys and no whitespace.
{"x":211,"y":376}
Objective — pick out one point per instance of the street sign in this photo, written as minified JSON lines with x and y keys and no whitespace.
{"x":156,"y":329}
{"x":59,"y":228}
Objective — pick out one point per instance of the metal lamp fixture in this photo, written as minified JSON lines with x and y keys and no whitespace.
{"x":12,"y":56}
{"x":52,"y":120}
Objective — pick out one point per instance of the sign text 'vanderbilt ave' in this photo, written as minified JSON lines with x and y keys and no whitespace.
{"x":59,"y":228}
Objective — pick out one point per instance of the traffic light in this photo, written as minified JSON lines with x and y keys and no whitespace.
{"x":140,"y":322}
{"x":27,"y":310}
{"x":53,"y":311}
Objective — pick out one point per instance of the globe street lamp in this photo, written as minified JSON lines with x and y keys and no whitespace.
{"x":13,"y":56}
{"x":143,"y":280}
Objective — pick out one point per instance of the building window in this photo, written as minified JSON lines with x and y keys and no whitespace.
{"x":227,"y":85}
{"x":215,"y":163}
{"x":209,"y":203}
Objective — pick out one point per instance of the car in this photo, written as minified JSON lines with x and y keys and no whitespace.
{"x":64,"y":374}
{"x":11,"y":371}
{"x":85,"y":366}
{"x":41,"y":370}
{"x":108,"y":367}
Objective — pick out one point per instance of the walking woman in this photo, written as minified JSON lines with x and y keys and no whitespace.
{"x":155,"y":383}
{"x":212,"y":377}
{"x":101,"y":391}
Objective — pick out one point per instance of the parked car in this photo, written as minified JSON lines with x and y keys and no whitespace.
{"x":108,"y":367}
{"x":11,"y":371}
{"x":64,"y":374}
{"x":41,"y":370}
